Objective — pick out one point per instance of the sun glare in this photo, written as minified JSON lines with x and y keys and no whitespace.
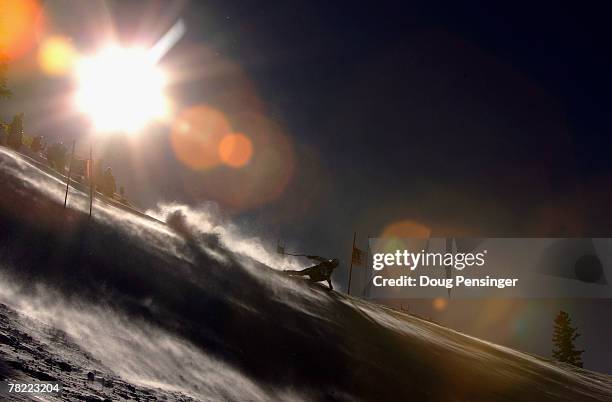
{"x":56,"y":55}
{"x":121,"y":89}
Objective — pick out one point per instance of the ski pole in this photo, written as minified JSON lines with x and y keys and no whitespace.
{"x":297,"y":255}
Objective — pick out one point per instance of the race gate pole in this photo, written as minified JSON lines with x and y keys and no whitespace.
{"x":351,"y":267}
{"x":91,"y":180}
{"x":69,"y":173}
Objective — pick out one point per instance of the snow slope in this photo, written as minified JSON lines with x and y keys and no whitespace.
{"x":193,"y":309}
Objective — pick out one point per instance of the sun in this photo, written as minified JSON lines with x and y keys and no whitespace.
{"x":121,"y":89}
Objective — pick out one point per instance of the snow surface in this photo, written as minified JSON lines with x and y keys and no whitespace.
{"x":192,"y":309}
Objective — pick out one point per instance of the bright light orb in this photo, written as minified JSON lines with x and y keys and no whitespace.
{"x":235,"y":150}
{"x":56,"y":55}
{"x":21,"y":21}
{"x":121,"y":89}
{"x":440,"y":303}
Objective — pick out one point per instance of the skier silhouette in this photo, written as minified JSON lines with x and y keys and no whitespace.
{"x":320,"y":272}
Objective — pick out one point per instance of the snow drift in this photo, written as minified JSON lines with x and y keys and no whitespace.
{"x":192,"y":306}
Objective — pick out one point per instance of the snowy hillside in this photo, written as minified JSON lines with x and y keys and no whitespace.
{"x":192,"y":309}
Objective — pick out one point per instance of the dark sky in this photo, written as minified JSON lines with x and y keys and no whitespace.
{"x":472,"y":118}
{"x":486,"y":119}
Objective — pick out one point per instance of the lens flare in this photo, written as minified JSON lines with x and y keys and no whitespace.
{"x":235,"y":150}
{"x":56,"y":55}
{"x":270,"y":166}
{"x":440,"y":303}
{"x":197,"y":135}
{"x":20,"y":23}
{"x":121,"y":89}
{"x":407,"y":228}
{"x":405,"y":234}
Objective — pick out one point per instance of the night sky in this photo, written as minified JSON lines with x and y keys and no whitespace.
{"x":473,"y":119}
{"x":464,"y":118}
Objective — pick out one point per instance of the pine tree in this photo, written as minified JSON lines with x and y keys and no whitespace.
{"x":564,"y":336}
{"x":15,"y":134}
{"x":4,"y":91}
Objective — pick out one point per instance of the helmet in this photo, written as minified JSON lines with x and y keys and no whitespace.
{"x":334,"y":262}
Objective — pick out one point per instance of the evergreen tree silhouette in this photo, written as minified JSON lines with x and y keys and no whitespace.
{"x":15,"y":135}
{"x":4,"y":91}
{"x":564,"y":336}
